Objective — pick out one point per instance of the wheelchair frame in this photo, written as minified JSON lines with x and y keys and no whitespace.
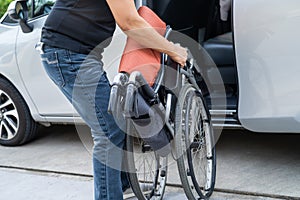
{"x":123,"y":90}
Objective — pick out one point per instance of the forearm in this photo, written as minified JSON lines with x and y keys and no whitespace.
{"x":138,"y":29}
{"x":148,"y":37}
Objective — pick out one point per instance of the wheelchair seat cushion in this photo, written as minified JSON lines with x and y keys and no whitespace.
{"x":138,"y":58}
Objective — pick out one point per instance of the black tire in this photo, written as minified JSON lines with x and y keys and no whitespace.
{"x":16,"y":124}
{"x":194,"y":145}
{"x":147,"y":171}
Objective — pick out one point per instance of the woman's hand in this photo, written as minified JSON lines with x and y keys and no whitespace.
{"x":179,"y":54}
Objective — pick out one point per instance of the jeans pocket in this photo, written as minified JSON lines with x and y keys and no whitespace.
{"x":51,"y":65}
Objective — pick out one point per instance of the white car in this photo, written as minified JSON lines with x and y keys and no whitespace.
{"x":256,"y":51}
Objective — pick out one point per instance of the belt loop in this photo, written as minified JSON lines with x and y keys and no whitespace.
{"x":40,"y":47}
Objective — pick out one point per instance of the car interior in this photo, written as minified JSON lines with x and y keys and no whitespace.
{"x":200,"y":20}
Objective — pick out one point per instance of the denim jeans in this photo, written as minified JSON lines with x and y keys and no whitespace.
{"x":82,"y":80}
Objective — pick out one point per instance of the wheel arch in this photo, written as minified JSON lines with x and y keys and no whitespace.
{"x":27,"y":99}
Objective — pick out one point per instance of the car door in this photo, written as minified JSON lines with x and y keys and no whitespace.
{"x":267,"y":47}
{"x":47,"y":98}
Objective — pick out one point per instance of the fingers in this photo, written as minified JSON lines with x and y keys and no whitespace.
{"x":181,"y":55}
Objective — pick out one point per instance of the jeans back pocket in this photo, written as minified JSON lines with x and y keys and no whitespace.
{"x":51,"y":65}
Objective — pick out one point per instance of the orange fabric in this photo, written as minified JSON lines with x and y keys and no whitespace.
{"x":137,"y":58}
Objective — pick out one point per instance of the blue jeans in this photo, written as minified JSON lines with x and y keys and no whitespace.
{"x":83,"y":81}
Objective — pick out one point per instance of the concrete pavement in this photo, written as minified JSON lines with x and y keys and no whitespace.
{"x":260,"y":165}
{"x":21,"y":184}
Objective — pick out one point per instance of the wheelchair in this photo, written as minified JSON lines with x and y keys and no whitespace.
{"x":165,"y":119}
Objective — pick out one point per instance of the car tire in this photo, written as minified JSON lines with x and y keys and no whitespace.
{"x":16,"y":124}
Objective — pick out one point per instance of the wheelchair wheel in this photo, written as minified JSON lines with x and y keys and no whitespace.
{"x":147,"y":171}
{"x":194,"y":145}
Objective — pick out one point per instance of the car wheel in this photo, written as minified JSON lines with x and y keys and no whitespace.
{"x":16,"y":123}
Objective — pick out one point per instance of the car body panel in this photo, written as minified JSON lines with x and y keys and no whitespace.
{"x":38,"y":84}
{"x":26,"y":73}
{"x":8,"y":65}
{"x":267,"y":48}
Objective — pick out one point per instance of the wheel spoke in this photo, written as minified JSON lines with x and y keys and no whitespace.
{"x":144,"y":163}
{"x":11,"y":123}
{"x":13,"y":113}
{"x":10,"y":117}
{"x":194,"y":137}
{"x":147,"y":172}
{"x":5,"y":104}
{"x":9,"y":132}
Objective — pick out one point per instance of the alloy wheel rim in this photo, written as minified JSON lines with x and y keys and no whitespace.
{"x":9,"y":117}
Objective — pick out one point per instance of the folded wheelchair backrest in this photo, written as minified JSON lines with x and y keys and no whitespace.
{"x":138,"y":58}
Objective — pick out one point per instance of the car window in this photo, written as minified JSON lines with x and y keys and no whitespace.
{"x":42,"y":7}
{"x":38,"y":8}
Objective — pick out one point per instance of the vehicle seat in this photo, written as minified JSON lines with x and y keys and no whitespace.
{"x":220,"y":48}
{"x":183,"y":16}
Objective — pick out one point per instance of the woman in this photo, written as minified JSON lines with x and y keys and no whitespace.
{"x":72,"y":58}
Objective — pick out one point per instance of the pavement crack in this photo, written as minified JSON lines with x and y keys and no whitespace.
{"x":46,"y":172}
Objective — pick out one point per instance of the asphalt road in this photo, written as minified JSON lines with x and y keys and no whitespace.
{"x":57,"y":165}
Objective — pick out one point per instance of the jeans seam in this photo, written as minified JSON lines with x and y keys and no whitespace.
{"x":72,"y":66}
{"x":103,"y":177}
{"x":99,"y":113}
{"x":63,"y":83}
